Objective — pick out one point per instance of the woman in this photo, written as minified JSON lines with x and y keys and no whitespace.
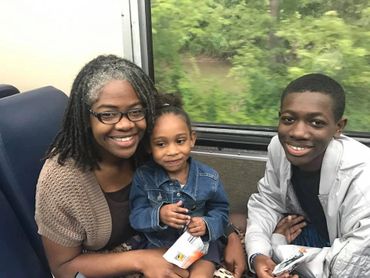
{"x":82,"y":192}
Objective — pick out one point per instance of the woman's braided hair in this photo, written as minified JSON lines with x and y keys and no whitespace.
{"x":75,"y":139}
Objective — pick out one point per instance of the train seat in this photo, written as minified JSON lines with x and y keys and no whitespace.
{"x":17,"y":256}
{"x":7,"y":90}
{"x":28,"y":123}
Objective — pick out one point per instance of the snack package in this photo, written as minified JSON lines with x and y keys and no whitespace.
{"x":186,"y":250}
{"x":290,"y":263}
{"x":306,"y":261}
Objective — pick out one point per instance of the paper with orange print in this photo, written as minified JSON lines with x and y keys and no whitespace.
{"x":186,"y":250}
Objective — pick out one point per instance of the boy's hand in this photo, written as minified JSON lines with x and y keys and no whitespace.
{"x":290,"y":226}
{"x":197,"y":226}
{"x":174,"y":215}
{"x":264,"y":265}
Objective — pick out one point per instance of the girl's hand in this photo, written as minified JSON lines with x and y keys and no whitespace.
{"x":197,"y":226}
{"x":290,"y":226}
{"x":174,"y":215}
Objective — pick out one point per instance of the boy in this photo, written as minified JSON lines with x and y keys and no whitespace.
{"x":316,"y":172}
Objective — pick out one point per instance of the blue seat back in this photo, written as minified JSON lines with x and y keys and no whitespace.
{"x":28,"y":123}
{"x":17,"y":256}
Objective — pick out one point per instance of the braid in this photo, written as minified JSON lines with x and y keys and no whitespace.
{"x":75,"y":139}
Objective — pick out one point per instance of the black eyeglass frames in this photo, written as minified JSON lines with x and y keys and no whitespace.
{"x":113,"y":117}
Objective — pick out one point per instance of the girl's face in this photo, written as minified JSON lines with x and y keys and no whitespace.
{"x":171,"y":143}
{"x":117,"y":141}
{"x":306,"y":127}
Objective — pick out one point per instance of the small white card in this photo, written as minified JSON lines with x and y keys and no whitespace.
{"x":186,"y":250}
{"x":306,"y":261}
{"x":301,"y":255}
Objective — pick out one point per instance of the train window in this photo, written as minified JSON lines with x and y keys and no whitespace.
{"x":230,"y":59}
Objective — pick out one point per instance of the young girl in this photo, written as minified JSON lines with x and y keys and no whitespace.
{"x":174,"y":190}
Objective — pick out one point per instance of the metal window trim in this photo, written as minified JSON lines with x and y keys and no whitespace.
{"x":135,"y":33}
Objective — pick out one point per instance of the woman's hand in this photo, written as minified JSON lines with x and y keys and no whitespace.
{"x":235,"y":259}
{"x":290,"y":227}
{"x":153,"y":265}
{"x":67,"y":261}
{"x":174,"y":215}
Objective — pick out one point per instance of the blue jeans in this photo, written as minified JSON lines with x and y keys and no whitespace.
{"x":310,"y":237}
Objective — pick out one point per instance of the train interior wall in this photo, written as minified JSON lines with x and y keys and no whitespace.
{"x":239,"y":173}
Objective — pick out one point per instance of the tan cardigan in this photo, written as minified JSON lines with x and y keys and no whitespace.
{"x":71,"y":209}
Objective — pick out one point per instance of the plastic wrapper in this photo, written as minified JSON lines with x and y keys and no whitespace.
{"x":308,"y":262}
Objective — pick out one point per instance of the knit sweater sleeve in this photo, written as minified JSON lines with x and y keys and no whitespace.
{"x":71,"y":209}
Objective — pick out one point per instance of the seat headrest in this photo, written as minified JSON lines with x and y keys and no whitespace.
{"x":7,"y":90}
{"x":28,"y":123}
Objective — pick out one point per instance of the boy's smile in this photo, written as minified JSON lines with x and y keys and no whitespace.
{"x":306,"y":127}
{"x":298,"y":150}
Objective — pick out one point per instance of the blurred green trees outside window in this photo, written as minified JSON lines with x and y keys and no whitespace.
{"x":230,"y":59}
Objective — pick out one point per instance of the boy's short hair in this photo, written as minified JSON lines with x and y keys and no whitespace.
{"x":319,"y":83}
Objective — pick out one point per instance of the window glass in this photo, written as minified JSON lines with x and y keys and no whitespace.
{"x":230,"y":59}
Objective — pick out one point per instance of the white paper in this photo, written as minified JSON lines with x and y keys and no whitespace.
{"x":186,"y":250}
{"x":309,"y":264}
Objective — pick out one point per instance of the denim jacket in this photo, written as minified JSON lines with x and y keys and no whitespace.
{"x":203,"y":195}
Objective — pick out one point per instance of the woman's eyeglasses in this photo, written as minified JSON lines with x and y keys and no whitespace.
{"x":113,"y":117}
